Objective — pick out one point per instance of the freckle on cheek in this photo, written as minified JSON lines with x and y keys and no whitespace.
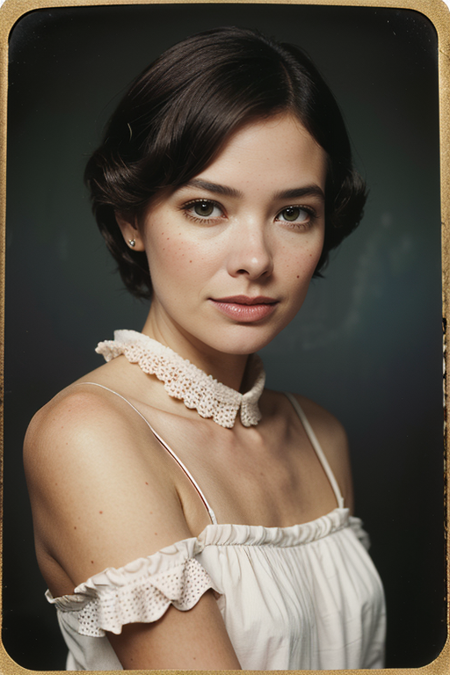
{"x":298,"y":277}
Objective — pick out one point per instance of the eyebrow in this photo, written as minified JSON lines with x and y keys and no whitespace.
{"x":293,"y":193}
{"x":213,"y":187}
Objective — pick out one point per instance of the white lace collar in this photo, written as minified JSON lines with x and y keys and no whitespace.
{"x":184,"y":381}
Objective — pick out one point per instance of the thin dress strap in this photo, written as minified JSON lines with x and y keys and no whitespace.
{"x":166,"y":447}
{"x":316,"y":445}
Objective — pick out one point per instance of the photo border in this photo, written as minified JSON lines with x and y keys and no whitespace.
{"x":437,"y":12}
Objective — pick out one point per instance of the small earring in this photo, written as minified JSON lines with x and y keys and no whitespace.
{"x":132,"y":242}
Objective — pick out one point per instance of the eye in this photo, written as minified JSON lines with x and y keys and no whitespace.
{"x":203,"y":209}
{"x":296,"y":214}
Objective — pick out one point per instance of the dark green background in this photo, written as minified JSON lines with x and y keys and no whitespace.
{"x":366,"y":345}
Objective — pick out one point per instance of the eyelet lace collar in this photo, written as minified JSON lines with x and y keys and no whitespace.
{"x":184,"y":381}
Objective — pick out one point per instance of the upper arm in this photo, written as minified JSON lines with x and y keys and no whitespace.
{"x":100,"y":496}
{"x":103,"y":496}
{"x":334,"y":442}
{"x":193,"y":640}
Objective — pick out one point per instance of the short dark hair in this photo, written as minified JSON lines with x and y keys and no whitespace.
{"x":180,"y":111}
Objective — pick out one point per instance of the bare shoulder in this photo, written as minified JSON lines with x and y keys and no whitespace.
{"x":72,"y":426}
{"x":323,"y":423}
{"x":333,"y":440}
{"x":100,"y":490}
{"x":102,"y":497}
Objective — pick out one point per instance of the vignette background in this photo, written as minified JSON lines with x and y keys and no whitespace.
{"x":367,"y":343}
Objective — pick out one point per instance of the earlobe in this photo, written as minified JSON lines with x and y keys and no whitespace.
{"x":130,"y":232}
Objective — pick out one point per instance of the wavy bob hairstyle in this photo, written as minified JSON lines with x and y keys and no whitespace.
{"x":179,"y":113}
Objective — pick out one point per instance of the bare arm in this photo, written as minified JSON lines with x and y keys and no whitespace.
{"x":103,"y":495}
{"x":194,"y":640}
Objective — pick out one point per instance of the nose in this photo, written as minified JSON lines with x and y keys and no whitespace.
{"x":251,"y":253}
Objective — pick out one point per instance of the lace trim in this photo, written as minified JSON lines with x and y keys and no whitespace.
{"x":184,"y":381}
{"x":102,"y":607}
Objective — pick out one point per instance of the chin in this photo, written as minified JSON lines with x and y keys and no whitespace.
{"x":242,"y":340}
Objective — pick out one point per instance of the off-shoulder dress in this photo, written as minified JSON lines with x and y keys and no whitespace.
{"x":301,"y":597}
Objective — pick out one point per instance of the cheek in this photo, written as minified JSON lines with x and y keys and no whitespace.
{"x":166,"y":249}
{"x":174,"y":258}
{"x":300,"y":264}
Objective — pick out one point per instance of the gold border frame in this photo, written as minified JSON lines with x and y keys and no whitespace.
{"x":439,"y":14}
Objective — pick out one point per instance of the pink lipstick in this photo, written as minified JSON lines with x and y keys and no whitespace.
{"x":245,"y":308}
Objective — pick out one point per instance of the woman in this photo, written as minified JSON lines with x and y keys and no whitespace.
{"x":186,"y":517}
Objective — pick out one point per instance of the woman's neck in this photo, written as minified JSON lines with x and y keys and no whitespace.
{"x":226,"y":368}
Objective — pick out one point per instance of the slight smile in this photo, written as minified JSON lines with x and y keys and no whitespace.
{"x":245,"y":308}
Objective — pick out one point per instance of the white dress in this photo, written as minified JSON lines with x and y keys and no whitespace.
{"x":292,"y":598}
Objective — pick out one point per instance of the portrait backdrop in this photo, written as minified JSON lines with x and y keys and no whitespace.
{"x":367,"y":343}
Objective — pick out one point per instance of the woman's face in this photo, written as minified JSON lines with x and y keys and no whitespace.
{"x":232,"y":252}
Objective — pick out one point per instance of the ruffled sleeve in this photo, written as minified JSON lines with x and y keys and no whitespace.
{"x":139,"y":592}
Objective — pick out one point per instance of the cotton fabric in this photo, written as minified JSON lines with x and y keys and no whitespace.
{"x":294,"y":598}
{"x":301,"y":597}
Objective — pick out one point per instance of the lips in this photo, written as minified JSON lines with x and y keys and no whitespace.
{"x":245,"y":308}
{"x":246,"y":300}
